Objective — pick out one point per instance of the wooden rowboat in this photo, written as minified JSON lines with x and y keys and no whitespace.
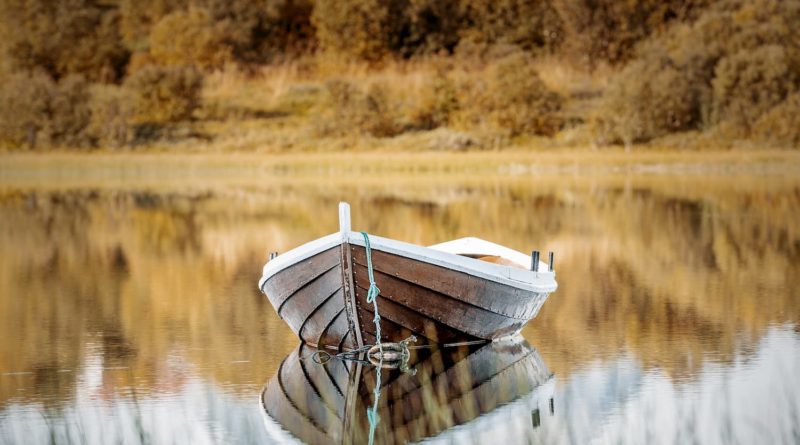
{"x":462,"y":290}
{"x":500,"y":391}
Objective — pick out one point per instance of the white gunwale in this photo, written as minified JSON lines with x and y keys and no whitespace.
{"x":508,"y":275}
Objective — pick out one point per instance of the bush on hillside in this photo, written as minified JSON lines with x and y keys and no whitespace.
{"x":69,"y":112}
{"x":350,"y":110}
{"x":781,"y":125}
{"x":608,"y":30}
{"x":112,"y":116}
{"x":164,"y":94}
{"x":734,"y":63}
{"x":750,"y":83}
{"x":438,"y":102}
{"x":36,"y":112}
{"x":63,"y":38}
{"x":512,"y":98}
{"x":362,"y":29}
{"x":251,"y":32}
{"x":650,"y":98}
{"x":189,"y":38}
{"x":24,"y":103}
{"x":531,"y":25}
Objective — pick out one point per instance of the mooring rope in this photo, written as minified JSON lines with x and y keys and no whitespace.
{"x":372,"y":297}
{"x":372,"y":413}
{"x":373,"y":292}
{"x":396,"y":352}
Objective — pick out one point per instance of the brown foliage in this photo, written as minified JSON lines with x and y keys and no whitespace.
{"x":781,"y":125}
{"x":518,"y":100}
{"x":438,"y":103}
{"x":363,"y":29}
{"x":649,"y":98}
{"x":351,"y":110}
{"x":749,"y":83}
{"x":737,"y":61}
{"x":527,"y":24}
{"x":189,"y":38}
{"x":138,"y":17}
{"x":62,"y":38}
{"x":24,"y":100}
{"x":608,"y":30}
{"x":37,"y":112}
{"x":164,"y":94}
{"x":112,"y":116}
{"x":510,"y":97}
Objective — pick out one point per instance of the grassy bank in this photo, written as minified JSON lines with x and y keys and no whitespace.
{"x":56,"y":168}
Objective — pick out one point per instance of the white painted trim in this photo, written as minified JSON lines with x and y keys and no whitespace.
{"x":523,"y":279}
{"x":298,"y":254}
{"x":344,"y":219}
{"x":512,"y":276}
{"x":478,"y":247}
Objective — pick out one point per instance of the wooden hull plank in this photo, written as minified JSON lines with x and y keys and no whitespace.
{"x":443,"y":309}
{"x":315,"y":326}
{"x":405,"y":322}
{"x":336,"y":331}
{"x":495,"y":297}
{"x":303,"y":303}
{"x":287,"y":282}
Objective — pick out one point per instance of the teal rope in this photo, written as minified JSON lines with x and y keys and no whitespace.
{"x":372,"y":413}
{"x":372,"y":296}
{"x":373,"y":292}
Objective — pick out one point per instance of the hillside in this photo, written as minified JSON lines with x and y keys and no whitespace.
{"x":306,"y":76}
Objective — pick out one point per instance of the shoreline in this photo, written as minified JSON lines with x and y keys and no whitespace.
{"x":553,"y":169}
{"x":501,"y":161}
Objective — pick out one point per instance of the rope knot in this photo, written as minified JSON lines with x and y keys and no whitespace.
{"x":373,"y":292}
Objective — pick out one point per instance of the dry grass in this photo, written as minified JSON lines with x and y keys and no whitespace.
{"x":58,"y":170}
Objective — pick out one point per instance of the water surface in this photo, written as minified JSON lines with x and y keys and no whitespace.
{"x":129,"y":311}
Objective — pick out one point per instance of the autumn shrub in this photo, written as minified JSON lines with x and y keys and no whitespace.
{"x":63,"y":38}
{"x":433,"y":26}
{"x":780,"y":125}
{"x":750,"y":83}
{"x":164,"y":94}
{"x":650,"y":98}
{"x":349,"y":109}
{"x":251,"y":32}
{"x":24,"y":101}
{"x":532,"y":25}
{"x":735,"y":62}
{"x":111,"y":116}
{"x":362,"y":29}
{"x":189,"y":38}
{"x":37,"y":112}
{"x":69,"y":112}
{"x":597,"y":31}
{"x":510,"y":97}
{"x":437,"y":103}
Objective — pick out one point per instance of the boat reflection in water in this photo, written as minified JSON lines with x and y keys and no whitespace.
{"x":489,"y":391}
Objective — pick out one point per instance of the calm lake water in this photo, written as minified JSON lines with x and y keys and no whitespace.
{"x":129,"y":311}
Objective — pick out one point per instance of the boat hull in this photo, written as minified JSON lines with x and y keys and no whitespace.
{"x":436,"y":296}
